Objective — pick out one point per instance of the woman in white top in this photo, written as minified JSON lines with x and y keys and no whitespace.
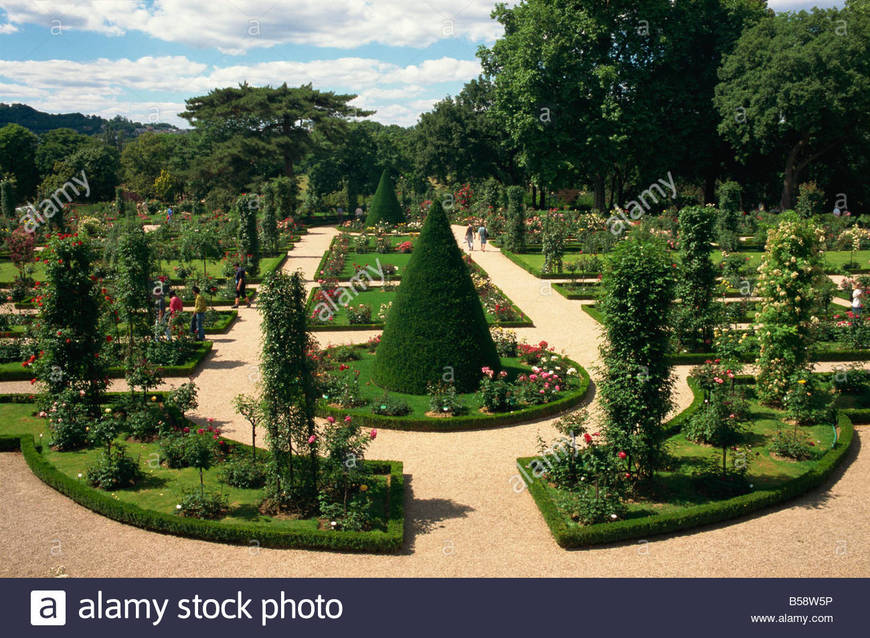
{"x":857,"y":306}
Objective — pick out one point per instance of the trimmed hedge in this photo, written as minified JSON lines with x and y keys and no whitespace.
{"x":437,"y":322}
{"x":537,"y":273}
{"x":385,"y":206}
{"x":467,"y":421}
{"x":235,"y":533}
{"x":697,"y":358}
{"x":570,"y":536}
{"x":18,"y":373}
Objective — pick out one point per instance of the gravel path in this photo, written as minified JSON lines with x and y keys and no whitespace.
{"x":463,"y":518}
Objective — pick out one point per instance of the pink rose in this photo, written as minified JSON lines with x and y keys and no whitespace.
{"x":311,"y":439}
{"x":373,"y":434}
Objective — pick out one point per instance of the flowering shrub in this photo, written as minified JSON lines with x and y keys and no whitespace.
{"x":531,"y":355}
{"x":404,"y":247}
{"x":344,"y":476}
{"x":540,"y":386}
{"x":792,"y":445}
{"x":114,"y":469}
{"x":505,"y":341}
{"x":68,"y":421}
{"x":808,"y":400}
{"x":359,"y":314}
{"x":785,"y":326}
{"x":384,"y":311}
{"x":496,"y":393}
{"x":852,"y":329}
{"x":389,"y":405}
{"x":443,"y":399}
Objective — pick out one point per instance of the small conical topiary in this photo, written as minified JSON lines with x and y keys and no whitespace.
{"x":385,"y":206}
{"x":436,"y":330}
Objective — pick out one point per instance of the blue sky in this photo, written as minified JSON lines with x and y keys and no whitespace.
{"x":143,"y":58}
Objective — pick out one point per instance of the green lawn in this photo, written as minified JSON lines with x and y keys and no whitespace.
{"x":162,"y":488}
{"x":674,"y":490}
{"x":372,"y":261}
{"x":374,"y":298}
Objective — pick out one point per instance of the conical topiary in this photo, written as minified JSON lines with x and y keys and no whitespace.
{"x":385,"y":206}
{"x":436,"y":330}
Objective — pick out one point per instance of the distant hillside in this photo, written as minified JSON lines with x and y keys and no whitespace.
{"x":40,"y":122}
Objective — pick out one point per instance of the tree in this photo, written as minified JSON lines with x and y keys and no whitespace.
{"x":290,"y":391}
{"x":18,"y":158}
{"x":385,"y":206}
{"x":67,"y":327}
{"x":279,"y":203}
{"x":637,"y":293}
{"x":143,"y":159}
{"x":515,"y":240}
{"x":132,"y":284}
{"x":245,"y":211}
{"x":100,"y":165}
{"x":436,"y":330}
{"x":57,"y":145}
{"x":789,"y":276}
{"x":251,"y":126}
{"x":695,"y":319}
{"x":796,"y":87}
{"x":7,"y":199}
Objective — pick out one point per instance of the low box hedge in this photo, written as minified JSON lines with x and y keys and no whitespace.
{"x":15,"y":372}
{"x":102,"y":503}
{"x":467,"y":421}
{"x":572,"y":535}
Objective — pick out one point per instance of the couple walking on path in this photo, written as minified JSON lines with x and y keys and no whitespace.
{"x":482,"y":235}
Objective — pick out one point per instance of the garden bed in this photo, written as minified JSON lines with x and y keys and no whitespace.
{"x":774,"y":482}
{"x":14,"y":371}
{"x":151,"y":504}
{"x":472,"y":419}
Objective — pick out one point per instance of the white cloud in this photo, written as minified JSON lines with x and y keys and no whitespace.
{"x":135,"y":87}
{"x":239,"y":25}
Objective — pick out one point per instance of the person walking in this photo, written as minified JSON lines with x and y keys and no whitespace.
{"x":469,"y":237}
{"x":175,"y":308}
{"x":857,"y":305}
{"x":197,"y":324}
{"x":482,"y":235}
{"x":241,"y":281}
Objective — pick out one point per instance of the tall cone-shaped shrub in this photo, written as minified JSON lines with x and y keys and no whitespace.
{"x":385,"y":206}
{"x":436,"y":330}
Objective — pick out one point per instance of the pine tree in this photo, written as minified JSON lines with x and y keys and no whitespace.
{"x":437,"y":329}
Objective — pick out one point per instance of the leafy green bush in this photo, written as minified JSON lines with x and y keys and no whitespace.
{"x":114,"y":469}
{"x":68,"y":421}
{"x":496,"y":392}
{"x":144,"y":423}
{"x":198,"y":504}
{"x":588,"y":505}
{"x":389,"y":405}
{"x":361,"y":313}
{"x":243,"y":472}
{"x":443,"y":399}
{"x":792,"y":445}
{"x":809,"y":400}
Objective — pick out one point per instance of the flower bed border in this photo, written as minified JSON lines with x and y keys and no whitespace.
{"x":467,"y":421}
{"x":117,"y":372}
{"x":102,"y":503}
{"x":568,"y":536}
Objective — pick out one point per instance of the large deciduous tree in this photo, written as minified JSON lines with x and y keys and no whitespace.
{"x":796,"y":87}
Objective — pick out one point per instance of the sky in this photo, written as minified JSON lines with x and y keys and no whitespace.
{"x":142,"y":58}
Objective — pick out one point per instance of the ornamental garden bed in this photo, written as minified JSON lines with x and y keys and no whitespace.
{"x":374,"y":304}
{"x":14,"y":371}
{"x":152,"y":503}
{"x":354,"y":379}
{"x":823,"y":350}
{"x":672,"y":503}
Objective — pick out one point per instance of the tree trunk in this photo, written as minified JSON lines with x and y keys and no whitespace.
{"x":534,"y":195}
{"x":599,"y":204}
{"x":710,"y":189}
{"x":786,"y":201}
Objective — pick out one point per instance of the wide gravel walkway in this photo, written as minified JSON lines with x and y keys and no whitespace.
{"x":463,"y":517}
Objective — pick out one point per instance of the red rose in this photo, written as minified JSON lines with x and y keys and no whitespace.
{"x":621,"y":454}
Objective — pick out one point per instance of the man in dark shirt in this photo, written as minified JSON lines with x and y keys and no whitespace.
{"x":241,"y":281}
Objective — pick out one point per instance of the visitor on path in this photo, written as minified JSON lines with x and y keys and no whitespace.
{"x":197,"y":322}
{"x":241,"y":280}
{"x":857,"y":305}
{"x":469,"y":237}
{"x":482,"y":235}
{"x":175,"y":308}
{"x":169,"y":214}
{"x":161,"y":324}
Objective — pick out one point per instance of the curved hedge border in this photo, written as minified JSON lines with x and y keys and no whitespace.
{"x":570,"y":536}
{"x":116,"y":372}
{"x":236,"y":533}
{"x":697,"y":358}
{"x":467,"y":421}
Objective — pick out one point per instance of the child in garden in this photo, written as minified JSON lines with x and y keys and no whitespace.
{"x":241,"y":280}
{"x":197,"y":324}
{"x":469,"y":237}
{"x":482,"y":234}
